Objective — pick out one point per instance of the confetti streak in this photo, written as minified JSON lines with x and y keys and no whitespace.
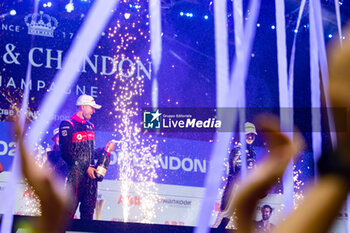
{"x":239,"y":34}
{"x":156,"y":45}
{"x":82,"y":46}
{"x":337,"y":11}
{"x":156,"y":30}
{"x":219,"y":150}
{"x":323,"y":65}
{"x":292,"y":56}
{"x":221,"y":54}
{"x":315,"y":90}
{"x":221,"y":51}
{"x":285,"y":116}
{"x":11,"y":187}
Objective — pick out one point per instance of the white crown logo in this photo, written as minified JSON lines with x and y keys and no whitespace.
{"x":41,"y":24}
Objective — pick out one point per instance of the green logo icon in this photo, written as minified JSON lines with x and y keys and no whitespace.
{"x":151,"y":120}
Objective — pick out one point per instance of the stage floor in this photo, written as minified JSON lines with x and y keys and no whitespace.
{"x":86,"y":226}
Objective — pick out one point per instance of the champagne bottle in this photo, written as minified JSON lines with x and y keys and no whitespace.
{"x":102,"y":166}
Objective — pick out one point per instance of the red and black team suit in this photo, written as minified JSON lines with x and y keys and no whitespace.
{"x":77,"y":143}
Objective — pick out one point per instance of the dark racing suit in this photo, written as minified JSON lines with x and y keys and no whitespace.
{"x":77,"y":143}
{"x":234,"y":173}
{"x":59,"y":166}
